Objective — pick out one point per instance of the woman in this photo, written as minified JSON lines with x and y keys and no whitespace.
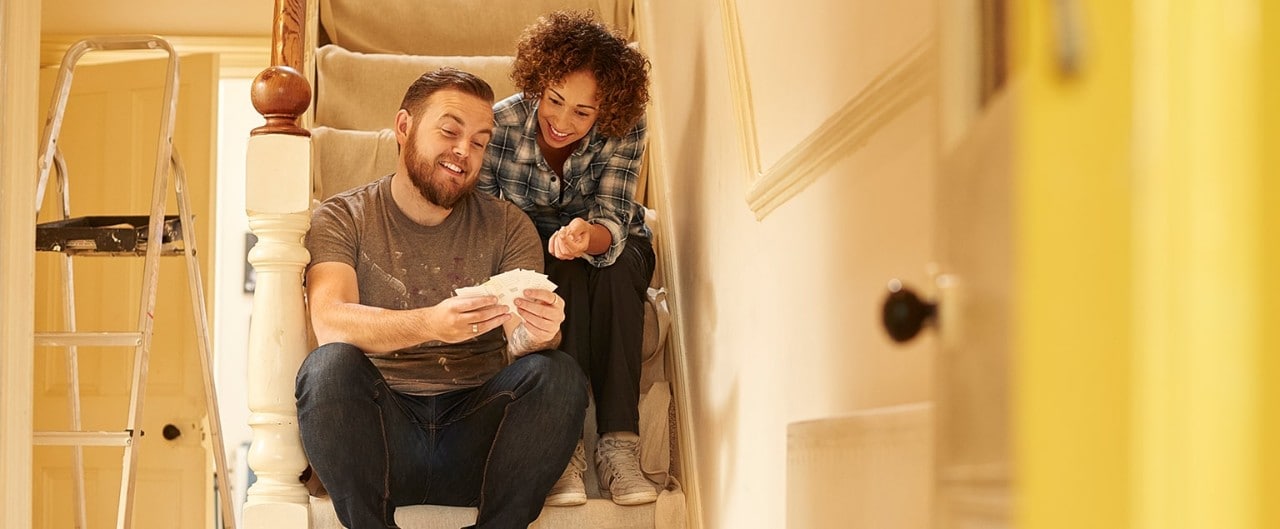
{"x":567,"y":150}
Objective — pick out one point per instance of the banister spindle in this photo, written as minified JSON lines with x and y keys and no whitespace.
{"x":277,"y":198}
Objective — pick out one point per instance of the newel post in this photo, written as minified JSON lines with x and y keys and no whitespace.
{"x":277,"y":198}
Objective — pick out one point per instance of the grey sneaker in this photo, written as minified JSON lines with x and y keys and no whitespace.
{"x":618,"y":465}
{"x":569,"y":490}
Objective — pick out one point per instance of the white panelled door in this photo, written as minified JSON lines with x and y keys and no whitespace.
{"x":109,"y":138}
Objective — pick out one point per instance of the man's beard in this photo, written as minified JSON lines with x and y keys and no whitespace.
{"x":436,"y":191}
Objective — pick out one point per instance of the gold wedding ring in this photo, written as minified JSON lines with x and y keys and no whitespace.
{"x":475,"y":329}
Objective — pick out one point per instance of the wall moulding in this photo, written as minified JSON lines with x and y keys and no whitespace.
{"x":237,"y":56}
{"x":909,"y":78}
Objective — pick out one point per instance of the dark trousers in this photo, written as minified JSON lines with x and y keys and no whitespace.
{"x":603,"y":327}
{"x":499,"y":447}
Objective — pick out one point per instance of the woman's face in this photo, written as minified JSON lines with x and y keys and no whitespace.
{"x":568,"y":110}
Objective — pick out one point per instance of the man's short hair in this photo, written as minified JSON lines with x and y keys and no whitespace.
{"x":442,"y":79}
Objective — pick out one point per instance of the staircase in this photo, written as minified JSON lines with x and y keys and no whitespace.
{"x":365,"y":58}
{"x":599,"y":512}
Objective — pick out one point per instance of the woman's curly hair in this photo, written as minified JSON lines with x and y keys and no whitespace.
{"x":564,"y":42}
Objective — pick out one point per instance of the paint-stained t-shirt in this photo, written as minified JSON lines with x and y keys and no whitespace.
{"x":401,"y":264}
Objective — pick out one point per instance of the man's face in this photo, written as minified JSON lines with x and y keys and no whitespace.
{"x":445,"y":145}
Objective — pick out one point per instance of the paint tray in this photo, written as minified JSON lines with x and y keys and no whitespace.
{"x":106,"y":235}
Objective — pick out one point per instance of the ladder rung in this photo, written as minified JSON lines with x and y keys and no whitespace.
{"x":121,"y":339}
{"x":82,"y":438}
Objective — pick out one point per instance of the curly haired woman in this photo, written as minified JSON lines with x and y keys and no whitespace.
{"x":567,"y":151}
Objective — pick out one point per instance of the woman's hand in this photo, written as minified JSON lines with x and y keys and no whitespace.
{"x":570,"y":241}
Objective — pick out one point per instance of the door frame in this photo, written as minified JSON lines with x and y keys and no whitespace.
{"x":19,"y":77}
{"x":1072,"y":371}
{"x":1199,"y":355}
{"x":1142,"y":348}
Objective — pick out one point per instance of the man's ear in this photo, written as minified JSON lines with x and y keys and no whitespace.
{"x":403,"y":122}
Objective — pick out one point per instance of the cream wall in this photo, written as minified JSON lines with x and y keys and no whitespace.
{"x":779,"y":318}
{"x":242,"y":18}
{"x":232,"y":305}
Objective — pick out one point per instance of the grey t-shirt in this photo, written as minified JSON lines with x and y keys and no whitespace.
{"x":401,"y":264}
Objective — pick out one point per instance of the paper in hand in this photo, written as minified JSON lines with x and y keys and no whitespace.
{"x":508,"y":286}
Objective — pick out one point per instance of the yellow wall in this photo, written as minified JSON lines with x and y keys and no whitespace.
{"x":1269,"y":200}
{"x":1072,"y":364}
{"x":1145,"y":380}
{"x":1200,"y":320}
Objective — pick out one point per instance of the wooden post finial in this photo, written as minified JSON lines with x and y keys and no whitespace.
{"x":281,"y":94}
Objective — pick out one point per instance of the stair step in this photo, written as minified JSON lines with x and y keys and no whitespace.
{"x":598,"y":513}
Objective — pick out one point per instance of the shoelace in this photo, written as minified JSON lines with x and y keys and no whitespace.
{"x":624,"y":460}
{"x":578,"y":461}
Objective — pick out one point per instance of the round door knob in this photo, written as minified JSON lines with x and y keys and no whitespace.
{"x":905,"y":313}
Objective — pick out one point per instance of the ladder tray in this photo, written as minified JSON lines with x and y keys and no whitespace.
{"x":105,"y":235}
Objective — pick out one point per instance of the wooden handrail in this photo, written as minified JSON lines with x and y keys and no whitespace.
{"x":287,"y":31}
{"x":281,"y":93}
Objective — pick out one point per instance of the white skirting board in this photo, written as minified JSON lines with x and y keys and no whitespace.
{"x":867,"y":470}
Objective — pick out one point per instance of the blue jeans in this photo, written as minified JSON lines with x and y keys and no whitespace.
{"x":499,"y":447}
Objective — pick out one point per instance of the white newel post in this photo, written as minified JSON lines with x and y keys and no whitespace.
{"x":278,"y":193}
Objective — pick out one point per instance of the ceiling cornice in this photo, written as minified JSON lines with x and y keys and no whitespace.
{"x":238,"y":56}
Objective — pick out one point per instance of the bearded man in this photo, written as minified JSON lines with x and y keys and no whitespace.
{"x":416,"y":395}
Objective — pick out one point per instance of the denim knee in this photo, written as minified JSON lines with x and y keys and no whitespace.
{"x":332,"y":368}
{"x":558,"y":372}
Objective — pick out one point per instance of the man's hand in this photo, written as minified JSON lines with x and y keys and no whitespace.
{"x":571,"y":240}
{"x":542,"y":311}
{"x":458,"y":319}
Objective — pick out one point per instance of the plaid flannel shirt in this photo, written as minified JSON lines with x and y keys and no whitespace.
{"x":599,"y":182}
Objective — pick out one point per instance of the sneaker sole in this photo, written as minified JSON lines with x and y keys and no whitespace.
{"x":567,"y":499}
{"x":636,"y":498}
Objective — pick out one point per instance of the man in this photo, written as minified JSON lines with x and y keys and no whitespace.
{"x":416,"y":395}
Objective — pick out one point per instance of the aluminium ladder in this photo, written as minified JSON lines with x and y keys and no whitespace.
{"x":150,"y":236}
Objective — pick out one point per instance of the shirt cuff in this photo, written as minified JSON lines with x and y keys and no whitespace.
{"x":619,"y":242}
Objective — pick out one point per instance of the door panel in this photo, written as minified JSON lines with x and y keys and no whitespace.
{"x":109,"y":138}
{"x":975,"y":258}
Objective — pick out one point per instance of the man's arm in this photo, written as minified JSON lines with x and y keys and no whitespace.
{"x":333,"y":298}
{"x":542,"y":312}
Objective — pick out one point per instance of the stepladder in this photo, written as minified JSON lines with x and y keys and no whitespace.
{"x":136,"y":244}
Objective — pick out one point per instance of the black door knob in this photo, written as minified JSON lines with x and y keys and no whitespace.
{"x":905,"y":313}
